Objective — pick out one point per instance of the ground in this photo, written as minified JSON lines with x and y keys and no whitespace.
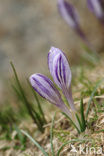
{"x":87,"y":84}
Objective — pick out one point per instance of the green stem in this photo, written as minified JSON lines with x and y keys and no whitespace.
{"x":72,"y":122}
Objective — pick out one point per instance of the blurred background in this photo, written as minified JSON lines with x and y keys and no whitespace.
{"x":28,"y":28}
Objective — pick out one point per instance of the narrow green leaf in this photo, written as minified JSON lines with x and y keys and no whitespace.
{"x":51,"y":135}
{"x":20,"y":135}
{"x":92,"y":95}
{"x":78,"y":119}
{"x":71,"y":141}
{"x":27,"y":104}
{"x":71,"y":122}
{"x":38,"y":120}
{"x":100,"y":131}
{"x":82,"y":115}
{"x":37,"y":117}
{"x":37,"y":100}
{"x":90,"y":54}
{"x":17,"y":93}
{"x":35,"y":143}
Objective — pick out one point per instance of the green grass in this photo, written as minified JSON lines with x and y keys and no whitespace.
{"x":92,"y":95}
{"x":29,"y":106}
{"x":51,"y":135}
{"x":35,"y":113}
{"x":35,"y":143}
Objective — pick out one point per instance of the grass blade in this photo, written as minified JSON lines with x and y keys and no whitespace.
{"x":51,"y":135}
{"x":80,"y":124}
{"x":72,"y":122}
{"x":22,"y":92}
{"x":35,"y":143}
{"x":24,"y":99}
{"x":38,"y":103}
{"x":90,"y":54}
{"x":71,"y":141}
{"x":92,"y":95}
{"x":82,"y":115}
{"x":22,"y":138}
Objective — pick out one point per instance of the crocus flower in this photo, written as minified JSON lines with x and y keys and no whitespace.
{"x":45,"y":88}
{"x":61,"y":73}
{"x":96,"y":6}
{"x":70,"y":15}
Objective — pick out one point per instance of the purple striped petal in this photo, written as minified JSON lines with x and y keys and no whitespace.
{"x":61,"y":73}
{"x":59,"y":67}
{"x":68,"y":12}
{"x":62,"y":77}
{"x":45,"y":88}
{"x":51,"y":55}
{"x":70,"y":15}
{"x":96,"y":7}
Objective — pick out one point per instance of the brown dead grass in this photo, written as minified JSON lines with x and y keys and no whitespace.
{"x":62,"y":127}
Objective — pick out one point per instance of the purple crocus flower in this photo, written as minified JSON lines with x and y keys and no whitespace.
{"x":61,"y":73}
{"x":45,"y":88}
{"x":70,"y":15}
{"x":96,"y":6}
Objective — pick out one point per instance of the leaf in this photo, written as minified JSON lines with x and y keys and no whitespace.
{"x":24,"y":99}
{"x":71,"y":122}
{"x":71,"y":141}
{"x":35,"y":143}
{"x":82,"y":115}
{"x":51,"y":135}
{"x":92,"y":95}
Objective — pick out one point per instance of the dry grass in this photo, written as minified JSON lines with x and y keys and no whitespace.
{"x":63,"y":131}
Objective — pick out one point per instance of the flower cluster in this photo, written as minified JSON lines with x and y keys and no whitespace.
{"x":70,"y":15}
{"x":61,"y":73}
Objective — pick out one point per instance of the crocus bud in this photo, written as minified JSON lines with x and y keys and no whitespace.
{"x":59,"y":67}
{"x":96,"y":6}
{"x":45,"y":88}
{"x":68,"y":12}
{"x":70,"y":15}
{"x":61,"y":73}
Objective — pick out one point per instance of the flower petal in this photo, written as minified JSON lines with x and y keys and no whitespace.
{"x":51,"y":55}
{"x":96,"y":7}
{"x":59,"y":67}
{"x":62,"y":77}
{"x":45,"y":88}
{"x":68,"y":12}
{"x":70,"y":15}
